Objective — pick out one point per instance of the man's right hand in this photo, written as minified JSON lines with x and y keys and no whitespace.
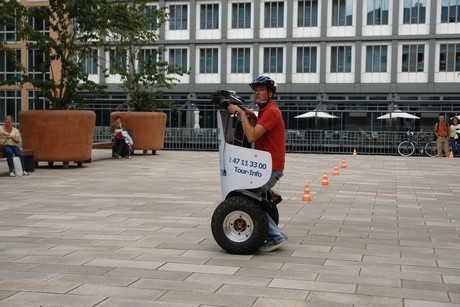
{"x":233,"y":109}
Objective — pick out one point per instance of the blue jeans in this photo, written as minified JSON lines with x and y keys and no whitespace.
{"x":275,"y":233}
{"x":11,"y":151}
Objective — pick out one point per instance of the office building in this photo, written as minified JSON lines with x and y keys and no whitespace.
{"x":356,"y":59}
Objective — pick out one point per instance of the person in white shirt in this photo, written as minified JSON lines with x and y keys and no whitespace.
{"x":9,"y":138}
{"x":455,"y":137}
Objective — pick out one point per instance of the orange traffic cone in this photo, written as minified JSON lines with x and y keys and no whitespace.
{"x":336,"y":170}
{"x":306,"y":194}
{"x":325,"y":180}
{"x":344,"y":164}
{"x":354,"y":152}
{"x":451,"y":155}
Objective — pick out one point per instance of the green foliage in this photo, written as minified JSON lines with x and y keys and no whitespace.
{"x":10,"y":12}
{"x":65,"y":33}
{"x":59,"y":72}
{"x":145,"y":72}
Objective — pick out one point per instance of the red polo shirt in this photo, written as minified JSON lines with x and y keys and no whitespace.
{"x":274,"y":140}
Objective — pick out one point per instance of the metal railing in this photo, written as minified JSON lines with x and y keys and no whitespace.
{"x":102,"y":134}
{"x":297,"y":141}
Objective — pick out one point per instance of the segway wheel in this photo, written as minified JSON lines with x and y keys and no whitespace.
{"x":239,"y":225}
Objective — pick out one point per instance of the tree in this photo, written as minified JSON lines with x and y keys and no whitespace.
{"x":61,"y":36}
{"x":10,"y":13}
{"x":136,"y":57}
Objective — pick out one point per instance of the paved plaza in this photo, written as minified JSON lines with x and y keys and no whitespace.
{"x":119,"y":232}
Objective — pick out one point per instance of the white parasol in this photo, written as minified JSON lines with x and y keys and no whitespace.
{"x":318,"y":114}
{"x":398,"y":114}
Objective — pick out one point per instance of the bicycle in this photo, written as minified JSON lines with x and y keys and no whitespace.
{"x":418,"y":141}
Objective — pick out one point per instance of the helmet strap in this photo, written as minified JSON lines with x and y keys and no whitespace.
{"x":264,"y":103}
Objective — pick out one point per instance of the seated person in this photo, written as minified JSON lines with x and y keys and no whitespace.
{"x":9,"y":138}
{"x":121,"y":138}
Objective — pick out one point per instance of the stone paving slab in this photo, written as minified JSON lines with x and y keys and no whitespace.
{"x":119,"y":232}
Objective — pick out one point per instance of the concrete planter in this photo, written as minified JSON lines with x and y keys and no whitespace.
{"x":58,"y":136}
{"x":148,"y":129}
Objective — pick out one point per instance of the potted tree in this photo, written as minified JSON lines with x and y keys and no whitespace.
{"x":144,"y":73}
{"x":59,"y":38}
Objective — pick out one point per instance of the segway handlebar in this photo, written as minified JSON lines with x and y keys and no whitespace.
{"x":223,"y":98}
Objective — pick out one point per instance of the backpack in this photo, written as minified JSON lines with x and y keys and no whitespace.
{"x":436,"y":130}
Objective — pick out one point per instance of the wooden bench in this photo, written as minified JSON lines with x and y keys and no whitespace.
{"x":29,"y":158}
{"x":103,"y":145}
{"x":109,"y":144}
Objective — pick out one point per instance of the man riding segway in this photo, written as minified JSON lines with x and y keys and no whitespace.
{"x":267,"y":130}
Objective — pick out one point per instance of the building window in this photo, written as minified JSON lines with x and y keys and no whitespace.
{"x":273,"y":60}
{"x":178,"y":17}
{"x":147,"y":57}
{"x":307,"y":13}
{"x":90,"y":66}
{"x":342,"y":12}
{"x":450,"y":11}
{"x":8,"y":68}
{"x":209,"y":16}
{"x":37,"y":64}
{"x":36,"y":102}
{"x":118,"y":61}
{"x":377,"y":12}
{"x":413,"y":58}
{"x":376,"y":59}
{"x":40,"y":25}
{"x":274,"y":15}
{"x":241,"y":61}
{"x":152,"y":22}
{"x":10,"y":103}
{"x":414,"y":11}
{"x":8,"y":32}
{"x":241,"y":15}
{"x":449,"y":57}
{"x":209,"y":61}
{"x":178,"y":58}
{"x":341,"y":59}
{"x":306,"y":59}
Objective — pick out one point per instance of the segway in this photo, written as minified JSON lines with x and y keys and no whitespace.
{"x":239,"y":223}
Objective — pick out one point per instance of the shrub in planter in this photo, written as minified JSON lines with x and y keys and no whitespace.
{"x":148,"y":129}
{"x":58,"y":136}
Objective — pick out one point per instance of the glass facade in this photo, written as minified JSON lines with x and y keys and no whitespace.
{"x":342,"y":12}
{"x":377,"y":12}
{"x":308,"y":13}
{"x":274,"y":14}
{"x":376,"y":59}
{"x":241,"y":15}
{"x":241,"y":60}
{"x":414,"y":11}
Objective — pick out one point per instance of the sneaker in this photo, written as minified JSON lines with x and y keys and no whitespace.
{"x":270,"y":246}
{"x":119,"y":157}
{"x":12,"y":174}
{"x":25,"y":173}
{"x":128,"y":157}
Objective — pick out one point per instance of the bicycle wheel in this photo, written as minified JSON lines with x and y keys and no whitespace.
{"x":406,"y":148}
{"x":431,"y":149}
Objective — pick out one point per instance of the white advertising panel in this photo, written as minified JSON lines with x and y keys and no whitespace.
{"x":240,"y":167}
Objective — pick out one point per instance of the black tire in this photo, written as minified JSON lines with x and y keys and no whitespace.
{"x":239,"y":225}
{"x":406,"y":148}
{"x":431,"y":149}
